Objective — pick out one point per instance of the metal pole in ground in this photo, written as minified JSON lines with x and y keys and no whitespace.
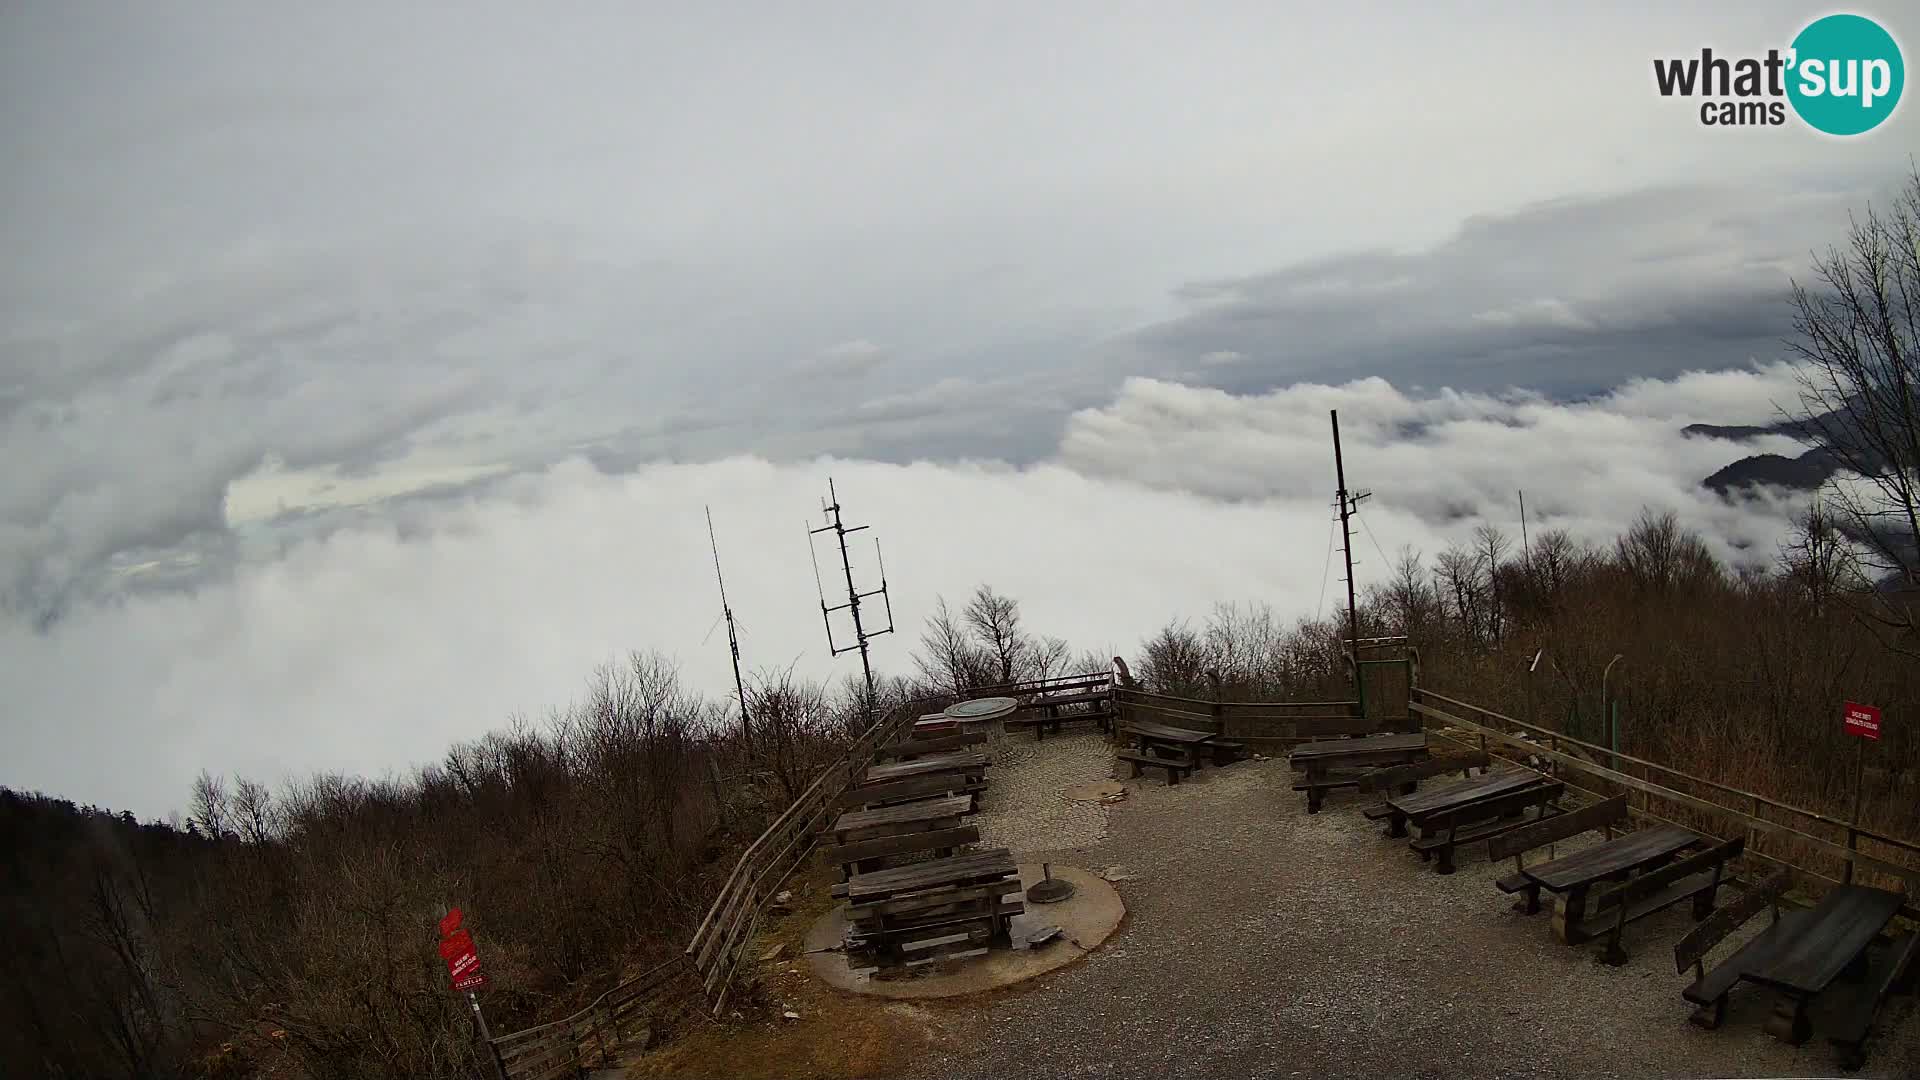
{"x":1859,"y":785}
{"x":486,"y":1039}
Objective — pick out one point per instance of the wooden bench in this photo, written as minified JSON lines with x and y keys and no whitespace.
{"x":1400,"y":810}
{"x":1849,"y":1034}
{"x":1600,"y":815}
{"x":864,"y":856}
{"x":1373,"y":750}
{"x":1696,"y":877}
{"x":1175,"y":765}
{"x":1710,"y":988}
{"x":1444,"y":830}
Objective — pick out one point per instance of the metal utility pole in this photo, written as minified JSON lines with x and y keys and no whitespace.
{"x":1348,"y":501}
{"x":860,"y":633}
{"x":733,"y":639}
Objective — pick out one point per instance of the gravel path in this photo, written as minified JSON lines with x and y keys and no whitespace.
{"x":1263,"y":942}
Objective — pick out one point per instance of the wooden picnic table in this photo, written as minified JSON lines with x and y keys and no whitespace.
{"x":1327,"y":754}
{"x":923,"y":912}
{"x":1816,"y":950}
{"x":1164,"y":733}
{"x":1570,"y":877}
{"x":972,"y":762}
{"x":1402,"y":809}
{"x":921,"y":816}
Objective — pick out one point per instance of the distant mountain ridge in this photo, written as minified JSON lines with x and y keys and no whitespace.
{"x":1807,"y":472}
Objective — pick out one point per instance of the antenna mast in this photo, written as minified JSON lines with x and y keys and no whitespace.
{"x":1347,"y":502}
{"x":860,"y":633}
{"x":733,"y":639}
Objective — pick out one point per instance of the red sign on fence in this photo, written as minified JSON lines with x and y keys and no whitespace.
{"x":1862,"y":720}
{"x":463,"y":960}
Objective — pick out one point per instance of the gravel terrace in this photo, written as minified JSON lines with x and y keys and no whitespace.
{"x":1261,"y":941}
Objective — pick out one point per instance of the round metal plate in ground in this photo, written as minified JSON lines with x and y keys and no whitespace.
{"x":1050,"y":891}
{"x":986,"y":708}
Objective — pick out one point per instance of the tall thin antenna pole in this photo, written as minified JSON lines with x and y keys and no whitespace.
{"x":733,"y":639}
{"x":1347,"y":503}
{"x":1526,"y":548}
{"x":860,"y":632}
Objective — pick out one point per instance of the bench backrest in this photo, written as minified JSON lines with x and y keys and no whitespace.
{"x":937,"y":840}
{"x":1327,"y":727}
{"x":1389,"y":778}
{"x":1651,"y":882}
{"x":935,"y":745}
{"x":1700,"y":940}
{"x":1504,"y":803}
{"x":894,"y":790}
{"x":1557,"y":827}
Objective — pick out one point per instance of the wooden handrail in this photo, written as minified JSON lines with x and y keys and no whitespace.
{"x":1910,"y":875}
{"x":1568,"y":740}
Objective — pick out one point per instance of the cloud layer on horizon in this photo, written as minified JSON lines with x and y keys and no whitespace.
{"x":374,"y":643}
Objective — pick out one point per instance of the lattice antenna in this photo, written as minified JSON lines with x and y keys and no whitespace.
{"x":733,"y":638}
{"x":831,"y":508}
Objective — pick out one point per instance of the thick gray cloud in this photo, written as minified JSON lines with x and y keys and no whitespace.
{"x":1568,"y":297}
{"x":279,"y":273}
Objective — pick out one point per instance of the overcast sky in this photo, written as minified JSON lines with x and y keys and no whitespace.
{"x":363,"y":367}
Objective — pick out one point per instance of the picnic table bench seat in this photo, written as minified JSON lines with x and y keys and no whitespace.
{"x":1375,"y":749}
{"x":865,"y":856}
{"x":907,"y":749}
{"x":1799,"y":953}
{"x":1697,"y":877}
{"x":1570,"y":877}
{"x":1443,"y":831}
{"x":1855,"y":1020}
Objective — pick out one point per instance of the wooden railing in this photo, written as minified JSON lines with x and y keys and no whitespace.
{"x":595,"y":1034}
{"x":720,"y":943}
{"x":1269,"y":724}
{"x":714,"y":956}
{"x":1758,"y":815}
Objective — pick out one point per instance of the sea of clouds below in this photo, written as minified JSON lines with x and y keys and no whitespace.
{"x":373,"y":646}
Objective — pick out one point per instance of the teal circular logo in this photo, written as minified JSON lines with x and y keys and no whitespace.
{"x":1845,"y":74}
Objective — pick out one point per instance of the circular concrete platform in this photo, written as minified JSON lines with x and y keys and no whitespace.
{"x":1086,"y":919}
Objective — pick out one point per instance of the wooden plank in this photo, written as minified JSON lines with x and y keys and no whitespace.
{"x":1856,"y":1018}
{"x":961,"y":869}
{"x":1827,"y":847}
{"x":940,"y":763}
{"x":1842,"y":924}
{"x":1653,"y":881}
{"x":1166,"y":731}
{"x":887,"y":910}
{"x":1392,"y":777}
{"x":1615,"y":858}
{"x":1558,"y":827}
{"x":1328,"y":748}
{"x":919,"y":787}
{"x":1461,"y":792}
{"x":1700,"y":940}
{"x":904,"y":813}
{"x":902,"y":845}
{"x":940,"y":745}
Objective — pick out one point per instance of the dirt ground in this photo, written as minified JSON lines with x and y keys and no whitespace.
{"x":1263,"y":942}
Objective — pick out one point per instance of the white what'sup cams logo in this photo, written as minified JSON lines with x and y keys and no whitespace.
{"x":1842,"y":75}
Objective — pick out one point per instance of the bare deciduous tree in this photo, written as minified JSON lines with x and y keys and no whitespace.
{"x":1858,"y":337}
